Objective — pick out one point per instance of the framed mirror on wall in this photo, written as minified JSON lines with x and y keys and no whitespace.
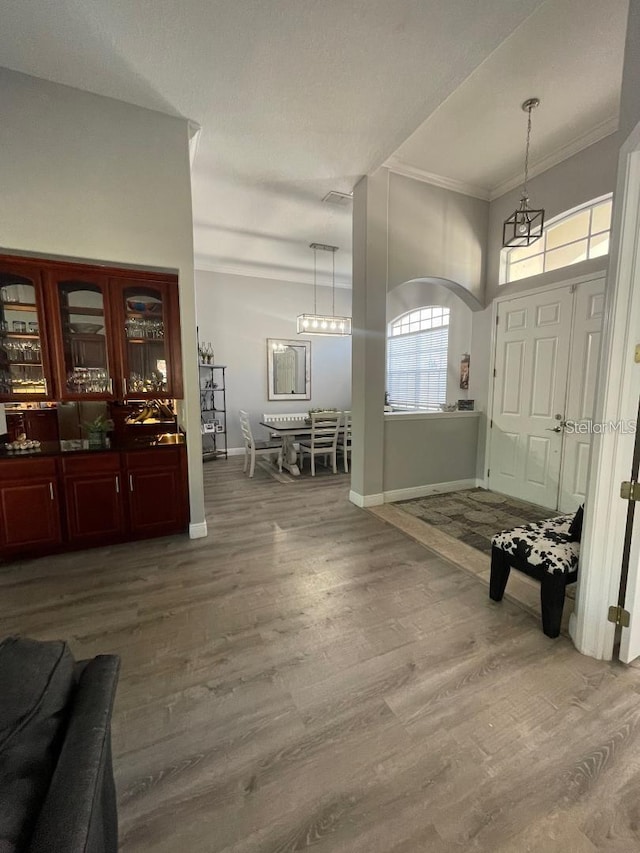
{"x":288,"y":369}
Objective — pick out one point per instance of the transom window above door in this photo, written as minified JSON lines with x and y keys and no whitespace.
{"x":417,"y":349}
{"x":574,"y":236}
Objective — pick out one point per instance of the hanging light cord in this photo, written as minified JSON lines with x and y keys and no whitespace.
{"x":315,"y":277}
{"x":526,"y":156}
{"x":333,"y":286}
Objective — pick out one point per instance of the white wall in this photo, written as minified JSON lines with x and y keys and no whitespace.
{"x":238,"y":313}
{"x":91,"y":178}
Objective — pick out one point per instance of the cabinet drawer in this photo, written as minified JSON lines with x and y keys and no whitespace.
{"x":19,"y":469}
{"x":83,"y":463}
{"x":165,"y":457}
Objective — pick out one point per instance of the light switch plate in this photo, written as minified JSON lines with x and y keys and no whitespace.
{"x":637,"y":356}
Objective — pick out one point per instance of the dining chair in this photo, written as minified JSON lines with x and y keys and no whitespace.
{"x":283,"y":419}
{"x":344,"y":440}
{"x":325,"y":427}
{"x":253,"y":448}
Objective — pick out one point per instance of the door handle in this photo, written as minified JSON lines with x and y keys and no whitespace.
{"x":117,"y":484}
{"x":51,"y":491}
{"x":130,"y":482}
{"x":554,"y":429}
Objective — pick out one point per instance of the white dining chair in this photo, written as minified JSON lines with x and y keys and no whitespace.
{"x":254,"y":448}
{"x":344,"y":440}
{"x":283,"y":419}
{"x":325,"y":427}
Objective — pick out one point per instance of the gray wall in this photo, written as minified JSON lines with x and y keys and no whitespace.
{"x":436,"y":232}
{"x":369,"y":333}
{"x":238,"y":313}
{"x":428,"y":450}
{"x":629,"y":101}
{"x":96,"y":179}
{"x":588,"y":174}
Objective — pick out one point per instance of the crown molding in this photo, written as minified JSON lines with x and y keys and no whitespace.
{"x":265,"y":271}
{"x":595,"y":134}
{"x":398,"y":167}
{"x":600,"y":131}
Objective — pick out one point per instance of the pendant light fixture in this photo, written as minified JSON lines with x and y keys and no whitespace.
{"x":524,"y":226}
{"x":324,"y":324}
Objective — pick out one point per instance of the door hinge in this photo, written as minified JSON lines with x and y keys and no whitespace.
{"x":630,"y":490}
{"x":497,"y":319}
{"x":488,"y":471}
{"x":495,"y":373}
{"x":491,"y":424}
{"x":619,"y":616}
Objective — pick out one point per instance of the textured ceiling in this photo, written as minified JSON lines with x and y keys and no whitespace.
{"x":569,"y":54}
{"x":297,"y":97}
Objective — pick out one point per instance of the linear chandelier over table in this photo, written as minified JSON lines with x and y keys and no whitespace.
{"x":324,"y":324}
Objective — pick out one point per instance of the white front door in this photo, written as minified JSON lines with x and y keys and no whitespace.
{"x":583,"y":368}
{"x":532,"y":359}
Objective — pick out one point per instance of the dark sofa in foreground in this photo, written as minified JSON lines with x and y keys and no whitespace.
{"x":57,"y":793}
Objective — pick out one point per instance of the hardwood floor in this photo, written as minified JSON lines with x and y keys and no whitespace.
{"x":310,"y":677}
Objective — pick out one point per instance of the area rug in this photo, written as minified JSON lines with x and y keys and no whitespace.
{"x":473,"y":516}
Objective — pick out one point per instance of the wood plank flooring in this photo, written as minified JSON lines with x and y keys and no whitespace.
{"x":309,"y":677}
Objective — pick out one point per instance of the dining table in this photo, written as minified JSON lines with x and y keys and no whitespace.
{"x":289,"y":431}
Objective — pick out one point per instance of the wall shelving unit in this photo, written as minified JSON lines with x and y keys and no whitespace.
{"x":213,"y":410}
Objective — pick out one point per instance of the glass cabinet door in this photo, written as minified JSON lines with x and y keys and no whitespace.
{"x":147,"y":366}
{"x":23,"y":373}
{"x":85,"y":350}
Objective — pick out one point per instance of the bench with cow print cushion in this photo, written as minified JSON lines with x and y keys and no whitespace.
{"x":545,"y":551}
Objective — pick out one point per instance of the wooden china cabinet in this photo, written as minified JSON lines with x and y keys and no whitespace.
{"x":148,"y":330}
{"x":25,"y":366}
{"x":81,"y":332}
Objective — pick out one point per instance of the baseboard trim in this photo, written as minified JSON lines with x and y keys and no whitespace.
{"x":235,"y":451}
{"x":429,"y":489}
{"x":198,"y":531}
{"x":366,"y":500}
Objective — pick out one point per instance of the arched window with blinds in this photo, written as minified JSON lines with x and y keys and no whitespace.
{"x":417,"y":347}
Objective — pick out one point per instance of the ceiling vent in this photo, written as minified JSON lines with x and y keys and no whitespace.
{"x":341,"y":199}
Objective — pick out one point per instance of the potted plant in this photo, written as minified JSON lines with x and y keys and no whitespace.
{"x":97,"y":430}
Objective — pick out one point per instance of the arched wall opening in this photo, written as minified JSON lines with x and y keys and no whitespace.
{"x":422,"y":292}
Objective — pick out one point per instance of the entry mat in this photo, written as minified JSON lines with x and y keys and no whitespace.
{"x":473,"y":516}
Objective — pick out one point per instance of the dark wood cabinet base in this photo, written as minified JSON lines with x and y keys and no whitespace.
{"x":84,"y":499}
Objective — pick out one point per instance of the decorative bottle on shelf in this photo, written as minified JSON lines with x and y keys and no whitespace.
{"x":206,"y":354}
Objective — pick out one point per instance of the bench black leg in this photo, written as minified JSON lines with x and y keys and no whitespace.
{"x":500,"y":569}
{"x":552,"y":590}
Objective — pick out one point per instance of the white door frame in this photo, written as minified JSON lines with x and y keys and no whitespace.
{"x":499,"y":300}
{"x":610,"y":463}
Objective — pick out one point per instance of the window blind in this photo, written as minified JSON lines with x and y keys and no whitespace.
{"x":417,"y":369}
